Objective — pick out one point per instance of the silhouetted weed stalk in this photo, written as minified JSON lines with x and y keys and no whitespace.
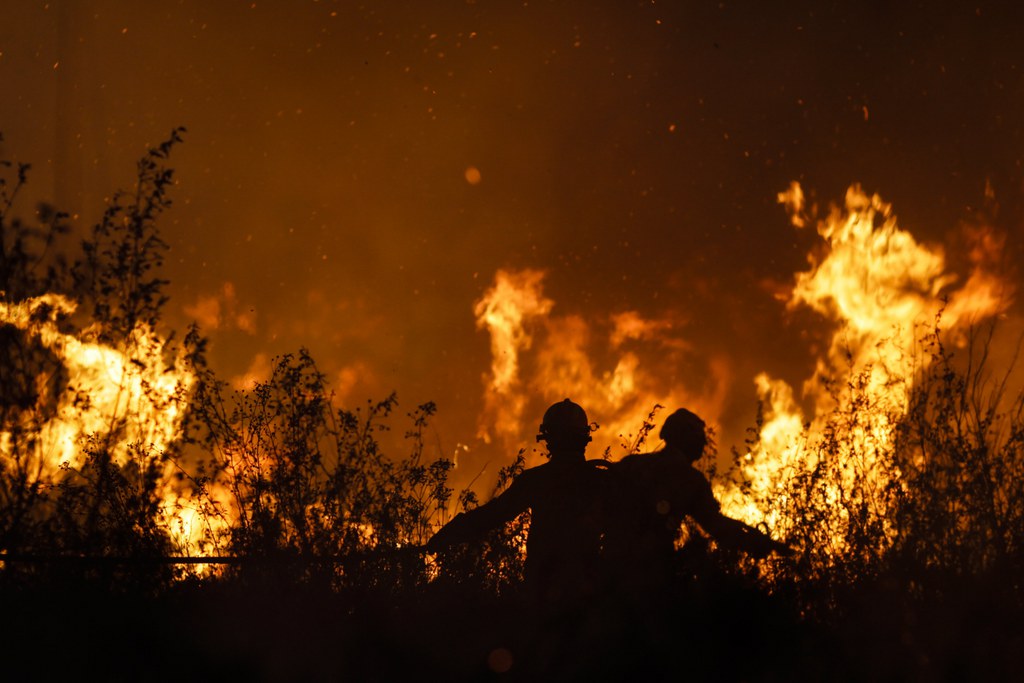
{"x":302,"y":489}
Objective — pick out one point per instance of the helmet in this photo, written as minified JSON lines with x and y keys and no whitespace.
{"x":565,"y":424}
{"x":684,"y":430}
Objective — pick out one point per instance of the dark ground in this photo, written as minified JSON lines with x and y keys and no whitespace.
{"x":712,"y":630}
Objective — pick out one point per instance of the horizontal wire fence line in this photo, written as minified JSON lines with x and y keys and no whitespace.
{"x":113,"y":559}
{"x":18,"y":558}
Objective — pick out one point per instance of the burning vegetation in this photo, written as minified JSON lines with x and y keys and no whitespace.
{"x":127,"y":465}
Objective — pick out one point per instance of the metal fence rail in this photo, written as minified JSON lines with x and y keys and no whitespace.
{"x":18,"y":558}
{"x":356,"y":556}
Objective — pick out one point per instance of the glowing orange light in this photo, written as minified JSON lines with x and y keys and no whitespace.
{"x":504,"y":311}
{"x":132,"y":387}
{"x":883,"y":288}
{"x":562,"y":364}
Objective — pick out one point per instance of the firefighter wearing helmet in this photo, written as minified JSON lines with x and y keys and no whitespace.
{"x":565,"y":428}
{"x":567,"y":500}
{"x":663,"y":488}
{"x":685,"y":433}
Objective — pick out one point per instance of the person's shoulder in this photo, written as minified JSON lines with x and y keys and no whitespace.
{"x":633,"y":462}
{"x":599,"y":464}
{"x":532,"y":474}
{"x":695,"y":481}
{"x":599,"y":470}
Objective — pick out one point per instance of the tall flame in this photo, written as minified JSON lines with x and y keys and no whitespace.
{"x":882,"y":288}
{"x":504,"y":311}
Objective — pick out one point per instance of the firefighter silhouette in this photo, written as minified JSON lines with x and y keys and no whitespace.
{"x":658,"y":491}
{"x":566,"y":497}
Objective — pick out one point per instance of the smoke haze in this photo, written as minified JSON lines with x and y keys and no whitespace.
{"x":355,"y":178}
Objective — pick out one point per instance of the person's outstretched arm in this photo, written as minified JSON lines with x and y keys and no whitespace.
{"x":729,"y":532}
{"x":472,"y":525}
{"x":733,"y":533}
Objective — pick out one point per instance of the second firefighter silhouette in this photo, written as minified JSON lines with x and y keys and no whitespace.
{"x":660,"y":490}
{"x":567,"y":499}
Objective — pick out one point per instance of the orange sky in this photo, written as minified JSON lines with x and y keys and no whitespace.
{"x":354,"y":176}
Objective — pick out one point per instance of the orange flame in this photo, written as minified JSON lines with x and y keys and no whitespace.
{"x":561,"y":364}
{"x":129,"y":397}
{"x":883,"y":288}
{"x":504,"y":311}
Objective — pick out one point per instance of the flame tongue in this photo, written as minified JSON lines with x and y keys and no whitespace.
{"x":505,"y":311}
{"x":876,"y":277}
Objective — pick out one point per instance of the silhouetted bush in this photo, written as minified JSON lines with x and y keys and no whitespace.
{"x":300,"y":479}
{"x":105,"y":500}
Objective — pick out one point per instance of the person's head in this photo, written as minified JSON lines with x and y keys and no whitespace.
{"x":683,"y":432}
{"x":565,"y":429}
